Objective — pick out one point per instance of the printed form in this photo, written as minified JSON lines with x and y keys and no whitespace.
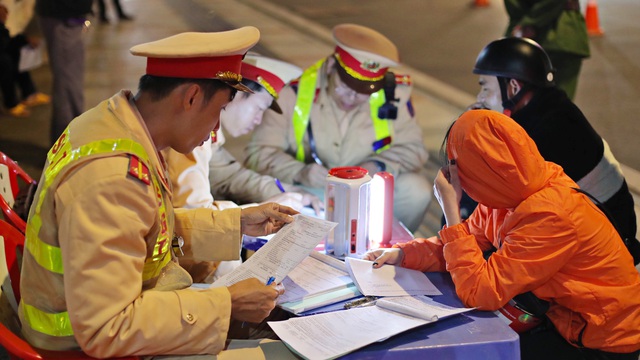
{"x":333,"y":334}
{"x":389,"y":280}
{"x":282,"y":253}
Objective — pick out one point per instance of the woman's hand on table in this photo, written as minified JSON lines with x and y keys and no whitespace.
{"x":393,"y":256}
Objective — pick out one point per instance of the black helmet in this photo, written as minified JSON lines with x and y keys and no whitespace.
{"x":516,"y":58}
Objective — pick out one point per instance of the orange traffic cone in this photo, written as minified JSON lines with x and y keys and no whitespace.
{"x":591,"y":18}
{"x":480,"y":3}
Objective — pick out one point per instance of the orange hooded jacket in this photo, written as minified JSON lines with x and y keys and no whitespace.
{"x":550,"y":239}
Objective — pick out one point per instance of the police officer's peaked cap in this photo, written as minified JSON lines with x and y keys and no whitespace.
{"x":364,"y":56}
{"x":516,"y":58}
{"x":271,"y":74}
{"x":200,"y":55}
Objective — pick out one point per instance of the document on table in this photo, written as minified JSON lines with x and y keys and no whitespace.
{"x":389,"y":280}
{"x":317,"y":281}
{"x":282,"y":253}
{"x":333,"y":334}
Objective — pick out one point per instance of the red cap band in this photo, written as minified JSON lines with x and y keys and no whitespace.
{"x":371,"y":71}
{"x":194,"y":67}
{"x":266,"y":79}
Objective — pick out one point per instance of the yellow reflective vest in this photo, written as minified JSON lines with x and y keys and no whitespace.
{"x":306,"y":94}
{"x":60,"y":158}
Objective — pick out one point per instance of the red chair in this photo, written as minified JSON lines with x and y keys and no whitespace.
{"x":18,"y":348}
{"x":10,"y":178}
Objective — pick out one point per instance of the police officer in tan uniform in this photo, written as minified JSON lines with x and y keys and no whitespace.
{"x":340,"y":113}
{"x":210,"y":176}
{"x":99,"y":271}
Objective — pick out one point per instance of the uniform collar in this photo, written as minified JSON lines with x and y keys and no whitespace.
{"x":125,"y":109}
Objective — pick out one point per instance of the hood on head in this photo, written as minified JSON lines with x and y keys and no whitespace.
{"x":498,"y":163}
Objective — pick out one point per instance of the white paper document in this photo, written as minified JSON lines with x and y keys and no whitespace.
{"x":389,"y":280}
{"x":282,"y":253}
{"x":333,"y":334}
{"x":317,"y":281}
{"x":313,"y":277}
{"x":30,"y":57}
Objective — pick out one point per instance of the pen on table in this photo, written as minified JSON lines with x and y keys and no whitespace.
{"x":279,"y":185}
{"x":365,"y":301}
{"x":270,"y":281}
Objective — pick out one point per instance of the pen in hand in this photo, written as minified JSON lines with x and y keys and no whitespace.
{"x":270,"y":281}
{"x":279,"y":185}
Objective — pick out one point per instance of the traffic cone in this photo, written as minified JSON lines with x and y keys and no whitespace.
{"x":591,"y":18}
{"x":481,"y":3}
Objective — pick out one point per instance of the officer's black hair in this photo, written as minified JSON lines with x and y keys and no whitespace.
{"x":252,"y":85}
{"x":160,"y":87}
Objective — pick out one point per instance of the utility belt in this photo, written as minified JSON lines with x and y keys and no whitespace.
{"x":572,"y":5}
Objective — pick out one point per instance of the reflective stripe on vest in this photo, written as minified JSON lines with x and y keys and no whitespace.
{"x":382,"y":128}
{"x":50,"y":257}
{"x":304,"y":101}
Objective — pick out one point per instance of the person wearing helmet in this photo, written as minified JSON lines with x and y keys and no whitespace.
{"x":550,"y":240}
{"x":559,"y":27}
{"x":518,"y":78}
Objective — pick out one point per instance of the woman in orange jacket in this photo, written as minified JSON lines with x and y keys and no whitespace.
{"x":550,"y":240}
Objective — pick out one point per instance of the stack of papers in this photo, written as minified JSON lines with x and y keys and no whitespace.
{"x":321,"y":280}
{"x":333,"y":334}
{"x":317,"y":281}
{"x":389,"y":280}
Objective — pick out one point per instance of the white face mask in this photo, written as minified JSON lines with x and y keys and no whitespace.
{"x":489,"y":95}
{"x":345,"y":97}
{"x":245,"y":112}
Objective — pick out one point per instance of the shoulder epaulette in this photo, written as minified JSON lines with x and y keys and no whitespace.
{"x":138,"y":170}
{"x":403,"y":79}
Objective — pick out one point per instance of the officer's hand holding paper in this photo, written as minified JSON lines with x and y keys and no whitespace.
{"x":282,"y":253}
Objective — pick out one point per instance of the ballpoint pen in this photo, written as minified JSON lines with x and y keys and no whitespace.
{"x":279,"y":185}
{"x":362,"y":302}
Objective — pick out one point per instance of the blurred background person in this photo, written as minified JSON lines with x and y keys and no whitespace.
{"x":102,"y":11}
{"x":62,"y":23}
{"x":559,"y":27}
{"x":15,"y":17}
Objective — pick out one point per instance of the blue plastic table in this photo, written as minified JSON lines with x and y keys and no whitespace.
{"x":475,"y":335}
